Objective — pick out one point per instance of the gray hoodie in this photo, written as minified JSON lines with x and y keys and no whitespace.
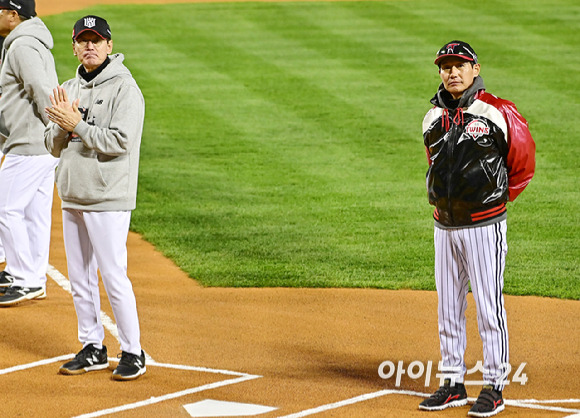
{"x":27,"y":78}
{"x":99,"y":161}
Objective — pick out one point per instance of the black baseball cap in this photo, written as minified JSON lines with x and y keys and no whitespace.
{"x":25,"y":8}
{"x":94,"y":24}
{"x":456,"y":49}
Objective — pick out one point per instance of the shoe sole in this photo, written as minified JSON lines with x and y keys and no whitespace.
{"x":84,"y":370}
{"x":40,"y":294}
{"x":132,"y":377}
{"x":487,"y":414}
{"x":453,"y":404}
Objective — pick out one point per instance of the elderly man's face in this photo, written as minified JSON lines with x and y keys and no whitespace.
{"x":457,"y":75}
{"x":91,"y":50}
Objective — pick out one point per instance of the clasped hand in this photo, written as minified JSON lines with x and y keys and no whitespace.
{"x":62,"y":112}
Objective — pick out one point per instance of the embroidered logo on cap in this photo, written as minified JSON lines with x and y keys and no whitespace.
{"x":90,"y":22}
{"x":450,"y":48}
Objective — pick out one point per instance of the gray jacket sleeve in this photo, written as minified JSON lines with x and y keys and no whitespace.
{"x":55,"y":139}
{"x":33,"y":69}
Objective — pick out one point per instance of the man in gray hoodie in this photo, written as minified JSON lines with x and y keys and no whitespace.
{"x":27,"y":77}
{"x":97,"y":137}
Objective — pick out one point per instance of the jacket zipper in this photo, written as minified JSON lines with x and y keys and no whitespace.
{"x":451,"y":148}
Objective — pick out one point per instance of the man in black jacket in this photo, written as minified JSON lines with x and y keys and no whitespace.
{"x":481,"y":155}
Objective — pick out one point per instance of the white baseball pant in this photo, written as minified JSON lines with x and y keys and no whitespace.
{"x":98,"y":240}
{"x":2,"y":253}
{"x":26,"y":192}
{"x":475,"y":255}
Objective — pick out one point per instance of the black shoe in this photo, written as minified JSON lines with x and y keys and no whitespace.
{"x":88,"y":359}
{"x":130,"y":366}
{"x":488,"y":403}
{"x":17,"y":294}
{"x":6,"y":279}
{"x":446,"y":396}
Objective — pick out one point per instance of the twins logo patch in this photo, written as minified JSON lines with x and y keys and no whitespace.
{"x":477,"y":128}
{"x":450,"y":48}
{"x":90,"y":22}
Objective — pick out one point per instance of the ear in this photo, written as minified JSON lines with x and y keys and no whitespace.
{"x":109,"y":46}
{"x":13,"y":19}
{"x":476,"y":69}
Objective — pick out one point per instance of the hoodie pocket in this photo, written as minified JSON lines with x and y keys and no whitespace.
{"x":79,"y":177}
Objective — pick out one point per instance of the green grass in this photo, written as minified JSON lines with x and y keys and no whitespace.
{"x":283,"y":146}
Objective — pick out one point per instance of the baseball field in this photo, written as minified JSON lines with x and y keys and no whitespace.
{"x":281,"y":251}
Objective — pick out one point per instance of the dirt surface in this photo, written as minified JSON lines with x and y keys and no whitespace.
{"x":303,"y":351}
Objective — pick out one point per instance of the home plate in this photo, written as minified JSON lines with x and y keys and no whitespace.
{"x":212,"y":408}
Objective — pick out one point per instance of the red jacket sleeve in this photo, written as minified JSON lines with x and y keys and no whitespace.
{"x":521,"y":158}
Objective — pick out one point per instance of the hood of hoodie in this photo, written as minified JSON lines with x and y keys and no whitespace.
{"x":444,"y":99}
{"x":116,"y":68}
{"x":34,"y":28}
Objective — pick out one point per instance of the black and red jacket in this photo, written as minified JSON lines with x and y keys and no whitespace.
{"x":481,"y":155}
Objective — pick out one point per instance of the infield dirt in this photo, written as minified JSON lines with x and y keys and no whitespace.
{"x":310,"y":347}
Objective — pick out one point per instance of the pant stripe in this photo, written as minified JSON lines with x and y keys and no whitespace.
{"x":476,"y":256}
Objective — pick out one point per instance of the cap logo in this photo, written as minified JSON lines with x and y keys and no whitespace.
{"x":15,"y":5}
{"x":450,"y":48}
{"x":477,"y":128}
{"x":90,"y":22}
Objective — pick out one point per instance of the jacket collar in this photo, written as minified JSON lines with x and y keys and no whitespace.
{"x":444,"y":99}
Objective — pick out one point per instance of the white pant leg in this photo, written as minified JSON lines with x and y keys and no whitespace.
{"x":108,"y":234}
{"x":486,"y":249}
{"x":2,"y":253}
{"x":452,"y":287}
{"x":38,"y":217}
{"x":84,"y":280}
{"x":26,"y":184}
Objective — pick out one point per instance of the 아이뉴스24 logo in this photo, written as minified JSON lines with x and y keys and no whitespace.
{"x":417,"y":369}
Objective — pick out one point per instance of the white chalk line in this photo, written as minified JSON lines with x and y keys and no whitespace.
{"x":549,"y":400}
{"x":198,"y":369}
{"x":157,"y":399}
{"x":356,"y":399}
{"x":36,"y":364}
{"x":521,"y":404}
{"x":531,"y":403}
{"x":242,"y":377}
{"x":110,"y":325}
{"x":57,"y":359}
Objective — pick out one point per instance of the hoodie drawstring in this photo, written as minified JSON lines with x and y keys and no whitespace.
{"x":457,"y":119}
{"x":446,"y":119}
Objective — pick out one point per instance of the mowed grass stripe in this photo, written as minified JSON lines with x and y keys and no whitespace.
{"x":308,"y":107}
{"x":272,"y":92}
{"x":283,"y":146}
{"x":241,"y":190}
